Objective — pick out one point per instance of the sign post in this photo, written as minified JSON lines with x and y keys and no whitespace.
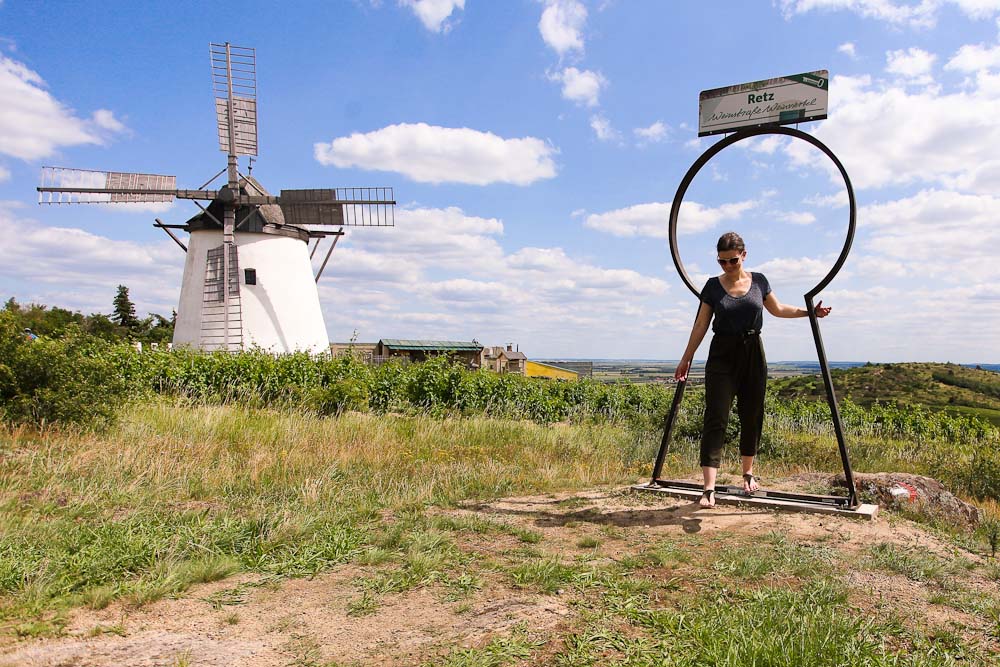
{"x":782,"y":101}
{"x":750,"y":110}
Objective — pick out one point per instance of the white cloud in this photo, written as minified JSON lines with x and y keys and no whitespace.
{"x":887,"y":135}
{"x":979,"y":9}
{"x":76,"y":269}
{"x":655,"y":133}
{"x":836,"y":200}
{"x":432,"y":154}
{"x":848,"y":49}
{"x":870,"y":266}
{"x":798,"y":272}
{"x":440,"y":273}
{"x":580,"y":86}
{"x":974,"y":57}
{"x":653,"y":219}
{"x":987,"y":84}
{"x":434,"y":13}
{"x":766,"y":145}
{"x":427,"y":241}
{"x":4,"y":173}
{"x":796,"y":218}
{"x":694,"y":143}
{"x":34,"y":124}
{"x":602,"y":128}
{"x":358,"y":265}
{"x":567,"y":275}
{"x":463,"y":289}
{"x":912,"y":63}
{"x":940,"y":233}
{"x":436,"y":238}
{"x":445,"y":261}
{"x":922,"y":14}
{"x":561,"y":25}
{"x":983,"y":178}
{"x":106,"y":119}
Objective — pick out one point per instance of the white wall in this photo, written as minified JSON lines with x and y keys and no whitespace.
{"x":280,"y":313}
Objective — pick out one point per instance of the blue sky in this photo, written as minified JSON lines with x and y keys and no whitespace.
{"x":534,"y":147}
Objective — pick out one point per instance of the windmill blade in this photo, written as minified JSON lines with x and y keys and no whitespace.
{"x":234,"y":82}
{"x":349,"y":207}
{"x":82,"y":186}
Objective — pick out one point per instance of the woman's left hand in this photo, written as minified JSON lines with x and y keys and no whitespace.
{"x":821,"y":311}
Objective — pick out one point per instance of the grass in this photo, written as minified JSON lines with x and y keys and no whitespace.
{"x":180,"y":495}
{"x":548,"y":576}
{"x":504,"y":650}
{"x":771,"y":625}
{"x":914,"y":563}
{"x":956,"y":389}
{"x":116,"y":629}
{"x":773,"y":554}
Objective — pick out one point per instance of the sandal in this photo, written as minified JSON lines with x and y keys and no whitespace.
{"x":707,"y":498}
{"x":750,"y":480}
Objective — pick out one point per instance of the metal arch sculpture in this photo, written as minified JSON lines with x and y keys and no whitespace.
{"x":736,"y":137}
{"x":711,"y":152}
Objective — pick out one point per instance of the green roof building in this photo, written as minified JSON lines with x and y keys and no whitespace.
{"x":420,"y":350}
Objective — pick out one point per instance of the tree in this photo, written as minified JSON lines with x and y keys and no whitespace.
{"x":124,"y":313}
{"x":154,"y":329}
{"x":101,"y":326}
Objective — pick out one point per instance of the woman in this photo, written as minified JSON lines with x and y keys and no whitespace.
{"x":736,"y":366}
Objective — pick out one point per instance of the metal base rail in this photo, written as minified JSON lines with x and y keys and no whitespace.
{"x":833,"y":501}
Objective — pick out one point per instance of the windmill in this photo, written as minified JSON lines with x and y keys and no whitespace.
{"x":274,"y":302}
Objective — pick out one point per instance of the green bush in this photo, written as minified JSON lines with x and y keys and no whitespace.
{"x":80,"y":379}
{"x":70,"y":380}
{"x":340,"y":395}
{"x":982,"y":477}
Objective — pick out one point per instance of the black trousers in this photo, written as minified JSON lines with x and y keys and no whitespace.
{"x":736,"y":368}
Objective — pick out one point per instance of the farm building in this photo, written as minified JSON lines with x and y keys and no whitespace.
{"x":504,"y":360}
{"x":512,"y":361}
{"x":420,"y":350}
{"x":537,"y":369}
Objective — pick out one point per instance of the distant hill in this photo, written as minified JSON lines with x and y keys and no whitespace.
{"x":951,"y":387}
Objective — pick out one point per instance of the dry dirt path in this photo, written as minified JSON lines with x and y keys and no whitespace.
{"x":243,"y":621}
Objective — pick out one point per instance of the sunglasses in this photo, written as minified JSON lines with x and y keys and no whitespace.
{"x":732,"y":261}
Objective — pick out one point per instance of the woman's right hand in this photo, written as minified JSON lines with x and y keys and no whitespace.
{"x":682,"y":370}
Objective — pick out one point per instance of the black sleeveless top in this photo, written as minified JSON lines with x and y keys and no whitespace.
{"x":736,"y":314}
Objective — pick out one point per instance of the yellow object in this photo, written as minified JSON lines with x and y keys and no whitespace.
{"x":535,"y":369}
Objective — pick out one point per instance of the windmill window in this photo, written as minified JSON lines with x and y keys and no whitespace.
{"x":250,"y":276}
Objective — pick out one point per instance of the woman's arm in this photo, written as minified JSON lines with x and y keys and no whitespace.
{"x":698,"y":332}
{"x":779,"y":309}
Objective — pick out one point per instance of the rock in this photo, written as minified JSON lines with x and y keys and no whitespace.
{"x":925,"y":494}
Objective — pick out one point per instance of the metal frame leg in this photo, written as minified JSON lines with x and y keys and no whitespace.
{"x":668,"y":429}
{"x":831,"y":397}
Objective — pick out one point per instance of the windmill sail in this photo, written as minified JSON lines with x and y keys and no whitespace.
{"x":83,"y":186}
{"x":234,"y":77}
{"x":352,"y":207}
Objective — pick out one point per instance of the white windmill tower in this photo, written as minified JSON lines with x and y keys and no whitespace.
{"x":248,"y":276}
